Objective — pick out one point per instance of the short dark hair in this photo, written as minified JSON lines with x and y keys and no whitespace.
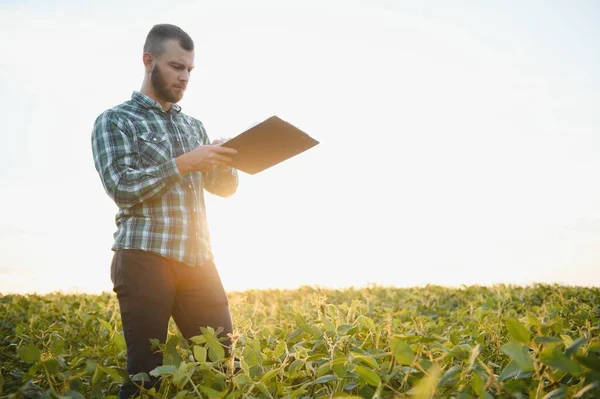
{"x":160,"y":33}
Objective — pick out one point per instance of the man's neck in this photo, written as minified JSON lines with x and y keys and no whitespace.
{"x":149,"y":91}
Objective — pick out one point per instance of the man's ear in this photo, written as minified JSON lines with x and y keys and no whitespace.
{"x":148,"y":60}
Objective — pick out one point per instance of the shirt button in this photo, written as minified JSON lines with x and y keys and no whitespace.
{"x":189,"y":185}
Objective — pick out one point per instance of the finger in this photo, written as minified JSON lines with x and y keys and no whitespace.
{"x":218,"y":164}
{"x":222,"y":165}
{"x":226,"y":150}
{"x":222,"y":159}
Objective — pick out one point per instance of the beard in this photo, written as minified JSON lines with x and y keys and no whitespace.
{"x":162,"y":88}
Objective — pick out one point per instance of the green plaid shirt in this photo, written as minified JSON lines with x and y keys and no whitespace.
{"x":134,"y":146}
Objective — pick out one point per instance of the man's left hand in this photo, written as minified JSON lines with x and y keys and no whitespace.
{"x":218,"y":141}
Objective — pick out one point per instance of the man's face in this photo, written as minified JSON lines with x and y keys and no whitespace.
{"x":171,"y":72}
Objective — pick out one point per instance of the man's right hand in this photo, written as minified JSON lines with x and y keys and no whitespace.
{"x":204,"y":158}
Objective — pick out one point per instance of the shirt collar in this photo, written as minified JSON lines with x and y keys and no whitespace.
{"x":148,"y":102}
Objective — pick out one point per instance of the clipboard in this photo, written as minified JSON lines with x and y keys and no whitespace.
{"x":267,"y":144}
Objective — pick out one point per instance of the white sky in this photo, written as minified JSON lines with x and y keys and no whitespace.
{"x":459,"y":140}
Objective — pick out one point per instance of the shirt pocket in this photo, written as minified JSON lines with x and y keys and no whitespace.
{"x":154,"y":147}
{"x":194,"y":141}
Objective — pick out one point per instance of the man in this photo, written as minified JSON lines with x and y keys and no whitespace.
{"x":154,"y":162}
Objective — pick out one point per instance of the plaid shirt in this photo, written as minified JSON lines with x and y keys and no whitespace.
{"x":134,"y":146}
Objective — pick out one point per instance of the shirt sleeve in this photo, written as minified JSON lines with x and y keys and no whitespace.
{"x":223,"y":183}
{"x":117,"y":163}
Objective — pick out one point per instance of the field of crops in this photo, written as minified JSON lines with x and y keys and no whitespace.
{"x":540,"y":341}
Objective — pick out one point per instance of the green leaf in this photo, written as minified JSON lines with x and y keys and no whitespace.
{"x":517,"y":385}
{"x":244,"y":366}
{"x":532,"y":320}
{"x":172,"y":356}
{"x":572,"y":349}
{"x":402,"y":351}
{"x":242,"y":380}
{"x":263,"y":388}
{"x":518,"y":331}
{"x":52,"y":366}
{"x":366,"y":359}
{"x":163,"y":370}
{"x":519,"y":354}
{"x":323,"y":369}
{"x":509,"y":371}
{"x":180,"y":376}
{"x":57,"y":347}
{"x":328,"y":325}
{"x":301,"y":322}
{"x":106,"y":325}
{"x":113,"y":373}
{"x":367,"y":375}
{"x":324,"y":379}
{"x":477,"y":384}
{"x":90,"y":366}
{"x":140,"y":378}
{"x":558,"y":360}
{"x":365,"y":322}
{"x":426,"y":387}
{"x":98,"y":375}
{"x":181,"y":394}
{"x":346,"y":329}
{"x":29,"y":353}
{"x":122,"y":372}
{"x":339,"y":367}
{"x":316,"y":332}
{"x":512,"y":370}
{"x":451,"y":372}
{"x":462,"y":351}
{"x":198,"y":339}
{"x":567,"y":340}
{"x":592,"y":362}
{"x":199,"y":353}
{"x":269,"y":374}
{"x":250,"y":356}
{"x":210,"y":392}
{"x":296,"y":365}
{"x":594,"y":347}
{"x":118,"y":340}
{"x":215,"y":349}
{"x":280,"y":349}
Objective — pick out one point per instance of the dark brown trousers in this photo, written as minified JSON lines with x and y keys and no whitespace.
{"x":150,"y":289}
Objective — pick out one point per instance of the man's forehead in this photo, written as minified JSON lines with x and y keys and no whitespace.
{"x":173,"y":52}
